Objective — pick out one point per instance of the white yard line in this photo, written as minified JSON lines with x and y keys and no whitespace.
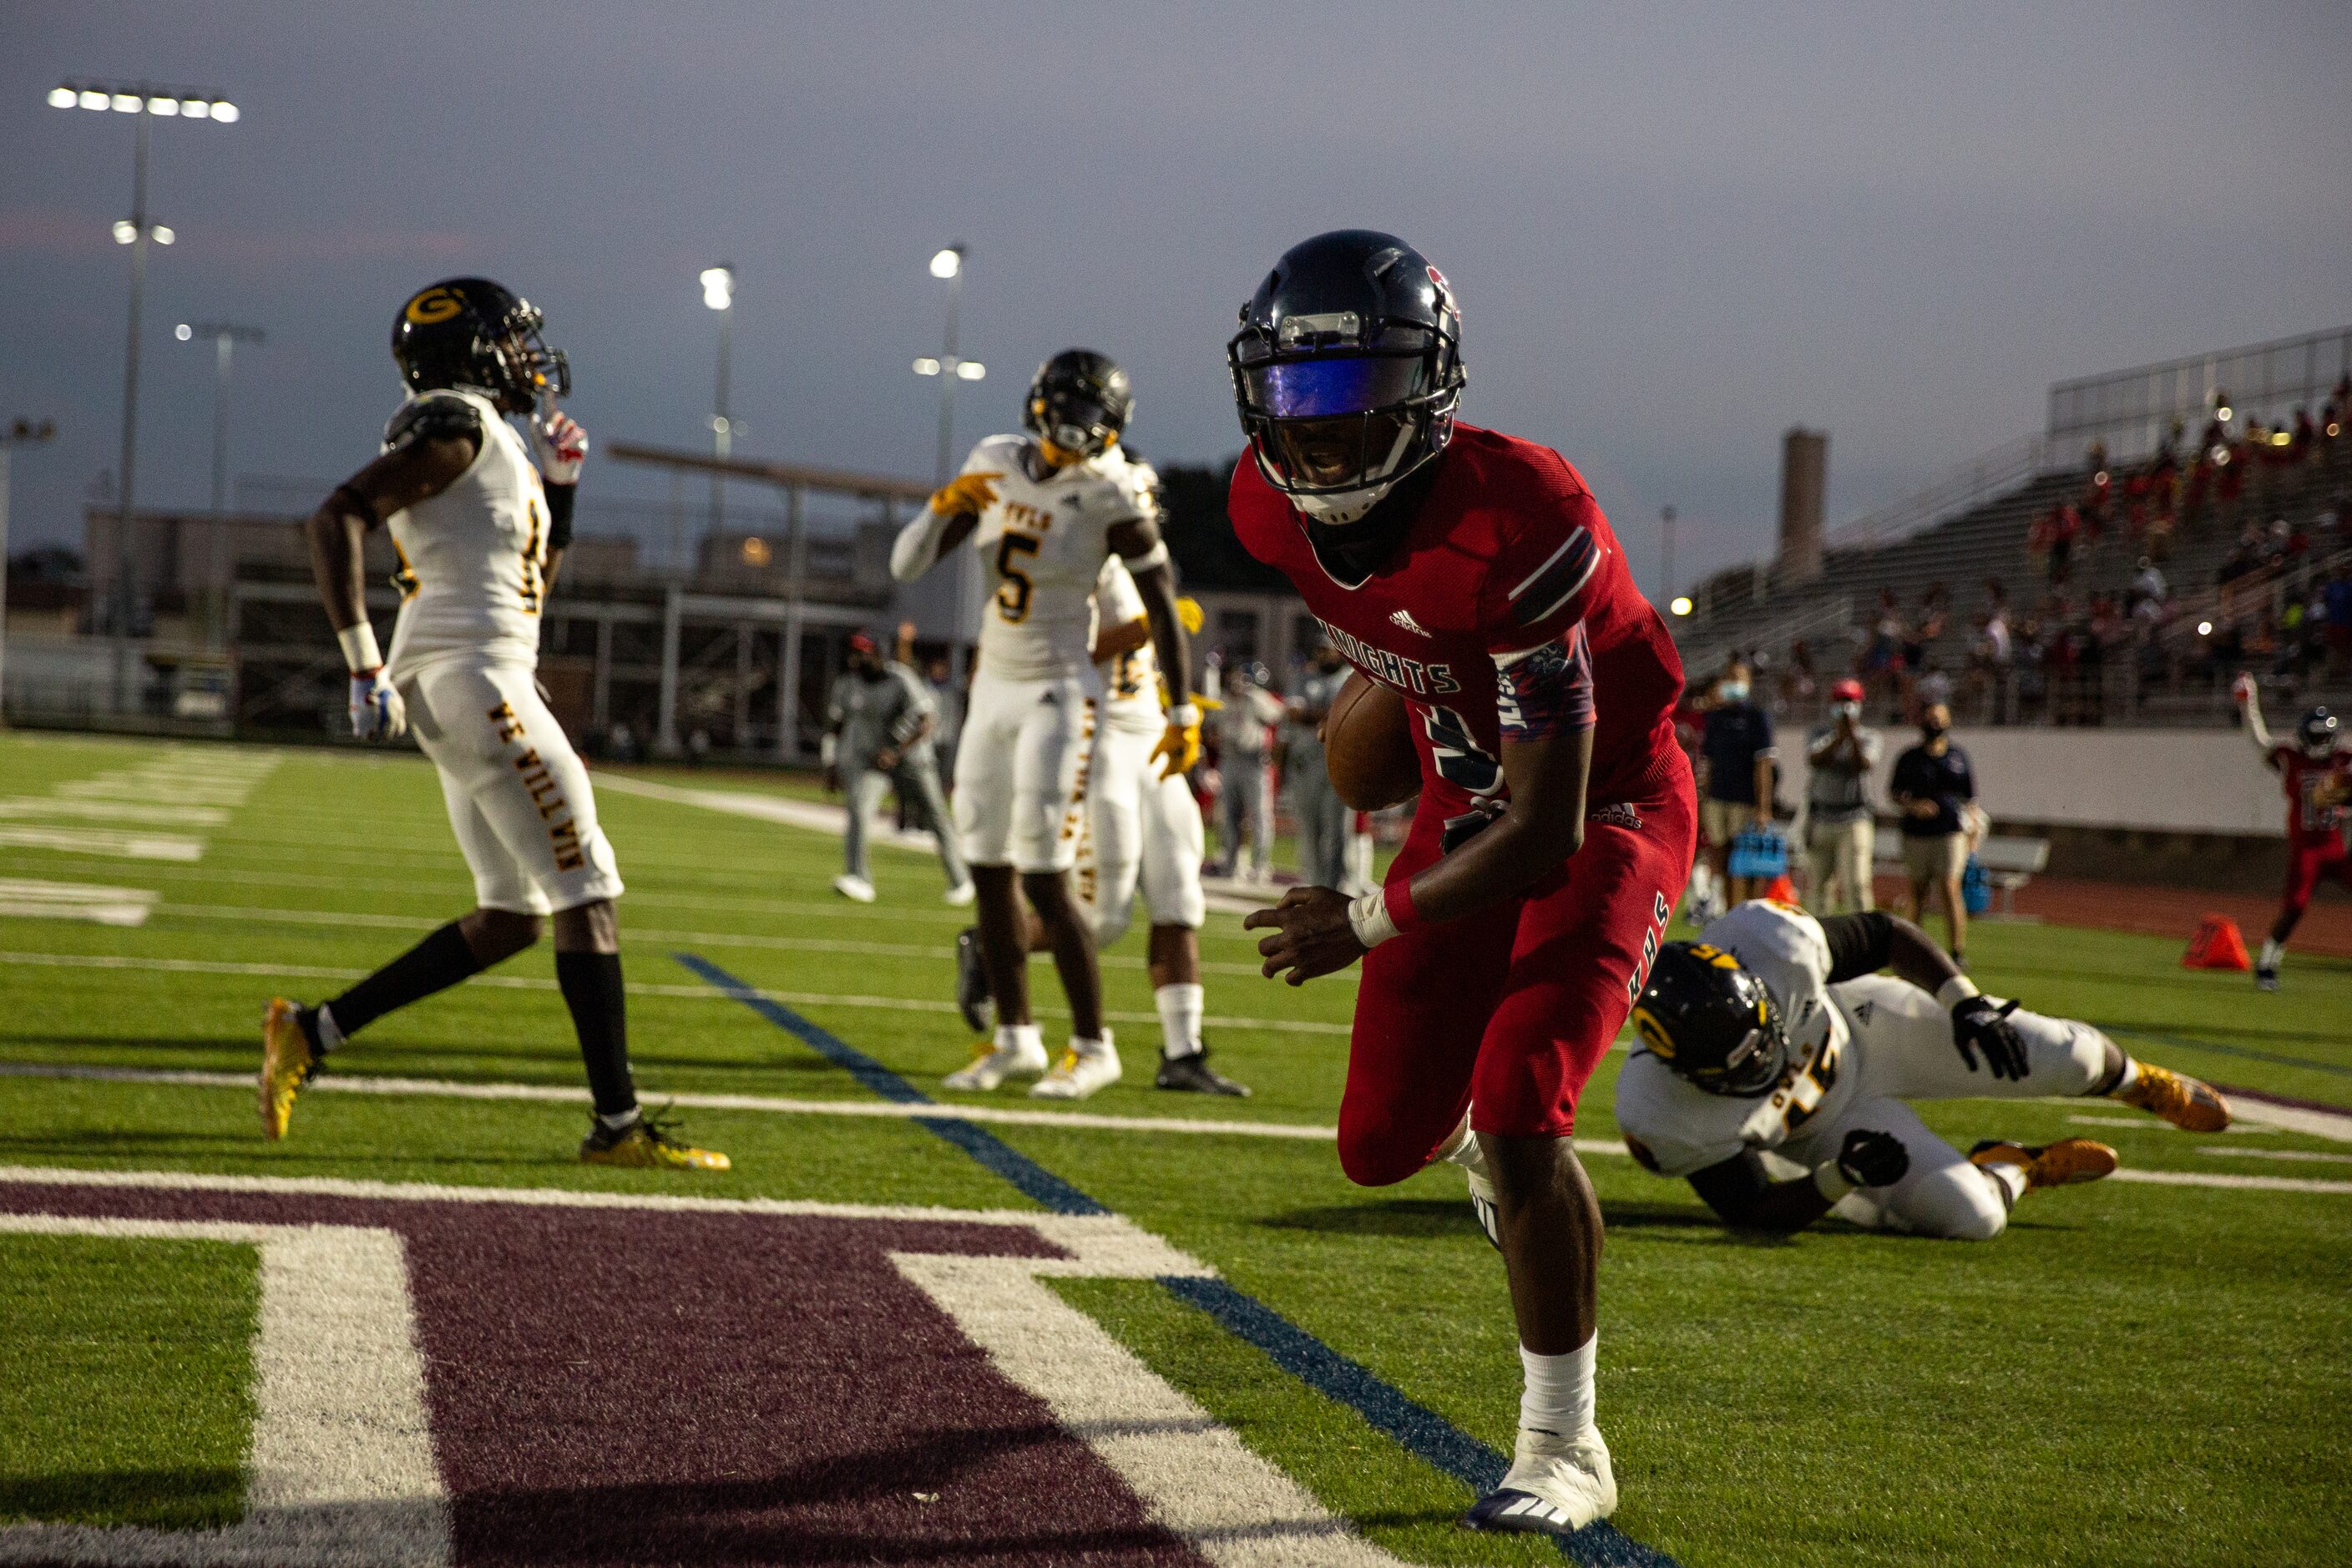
{"x":996,"y":1115}
{"x":636,"y":988}
{"x":2218,"y":1179}
{"x":341,"y":1469}
{"x":105,"y":842}
{"x":2222,"y":1150}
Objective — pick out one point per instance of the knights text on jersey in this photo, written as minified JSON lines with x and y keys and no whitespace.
{"x":474,"y":558}
{"x":1509,"y":552}
{"x":1042,"y":542}
{"x":1130,"y":679}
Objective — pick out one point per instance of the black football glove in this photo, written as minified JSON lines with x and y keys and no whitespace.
{"x":1977,"y":1022}
{"x":1873,"y":1159}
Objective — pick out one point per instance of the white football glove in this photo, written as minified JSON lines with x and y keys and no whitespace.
{"x":563,"y":447}
{"x":377,"y":711}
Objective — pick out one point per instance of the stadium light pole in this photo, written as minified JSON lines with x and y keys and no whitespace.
{"x":150,"y":102}
{"x":226,"y":336}
{"x":20,"y":433}
{"x":950,"y":367}
{"x":718,"y":294}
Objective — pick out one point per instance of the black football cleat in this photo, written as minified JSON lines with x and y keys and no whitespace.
{"x":1193,"y":1075}
{"x":971,"y":998}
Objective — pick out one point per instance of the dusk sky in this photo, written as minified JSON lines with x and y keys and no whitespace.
{"x":1674,"y":230}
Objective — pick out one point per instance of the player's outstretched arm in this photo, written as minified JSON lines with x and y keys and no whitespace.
{"x":2250,"y":698}
{"x":1865,"y":943}
{"x":948,"y":521}
{"x":1746,"y":1197}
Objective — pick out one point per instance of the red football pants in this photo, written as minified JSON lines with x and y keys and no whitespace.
{"x":1511,"y":1009}
{"x":2307,"y":862}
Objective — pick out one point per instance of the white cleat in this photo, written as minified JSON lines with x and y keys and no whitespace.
{"x":959,"y":896}
{"x":1556,"y":1486}
{"x":856,"y":890}
{"x":991,"y":1065}
{"x":1079,"y":1073}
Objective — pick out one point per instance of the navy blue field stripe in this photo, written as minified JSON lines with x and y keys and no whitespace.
{"x":1425,"y":1434}
{"x":983,"y":1145}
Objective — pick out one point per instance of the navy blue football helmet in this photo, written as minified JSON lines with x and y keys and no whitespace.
{"x":2316,"y":733}
{"x":1348,"y":365}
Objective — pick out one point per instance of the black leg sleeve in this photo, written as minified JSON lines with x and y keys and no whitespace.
{"x":436,"y":963}
{"x":592,"y":989}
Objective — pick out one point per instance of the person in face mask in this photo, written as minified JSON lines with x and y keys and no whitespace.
{"x":1736,"y":774}
{"x":879,"y":722}
{"x":1932,"y":783}
{"x":1840,"y":836}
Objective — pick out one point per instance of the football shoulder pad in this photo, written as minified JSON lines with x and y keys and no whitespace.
{"x":436,"y":416}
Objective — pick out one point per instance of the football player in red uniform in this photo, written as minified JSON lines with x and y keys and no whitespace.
{"x":1472,"y":572}
{"x":2317,"y":777}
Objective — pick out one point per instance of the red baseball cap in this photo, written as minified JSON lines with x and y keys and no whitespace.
{"x":860,"y":642}
{"x":1846,"y":690}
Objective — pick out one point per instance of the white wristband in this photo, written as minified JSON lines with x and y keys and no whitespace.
{"x":360,"y":652}
{"x":1188,"y":714}
{"x":1831,"y":1181}
{"x":1369,"y":916}
{"x":1955,"y":990}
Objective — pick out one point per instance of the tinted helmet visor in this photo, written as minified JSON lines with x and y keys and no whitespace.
{"x":1336,"y":423}
{"x":1322,"y":388}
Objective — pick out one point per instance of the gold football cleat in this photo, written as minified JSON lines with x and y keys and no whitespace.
{"x":642,"y":1145}
{"x":2180,"y":1099}
{"x":2060,"y":1164}
{"x":286,"y":1064}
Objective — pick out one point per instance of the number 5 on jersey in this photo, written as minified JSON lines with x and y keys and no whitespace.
{"x":1012,"y":593}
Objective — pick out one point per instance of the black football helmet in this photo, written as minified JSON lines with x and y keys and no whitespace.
{"x":1712,"y":1020}
{"x":1348,"y":365}
{"x":1080,"y":401}
{"x":475,"y":334}
{"x":2316,"y":733}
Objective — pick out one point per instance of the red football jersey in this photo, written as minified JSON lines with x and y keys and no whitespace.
{"x":2316,"y":803}
{"x":1509,"y":552}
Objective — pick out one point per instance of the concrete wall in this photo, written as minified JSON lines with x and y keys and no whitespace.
{"x":2165,"y":781}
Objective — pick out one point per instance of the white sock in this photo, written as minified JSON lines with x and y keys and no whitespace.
{"x":1026,"y":1038}
{"x":1462,"y":1148}
{"x":1087,"y":1047}
{"x":1180,"y":1006}
{"x":330,"y":1034}
{"x":1558,"y":1392}
{"x":2273,"y":950}
{"x":626,"y":1118}
{"x":2009,"y":1177}
{"x":2131,"y":1075}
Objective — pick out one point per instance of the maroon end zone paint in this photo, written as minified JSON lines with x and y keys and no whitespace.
{"x":631,"y":1386}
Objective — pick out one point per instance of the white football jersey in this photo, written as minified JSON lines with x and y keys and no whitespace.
{"x":1131,"y":681}
{"x":1043,"y":542}
{"x":474,"y":558}
{"x":1682,"y":1128}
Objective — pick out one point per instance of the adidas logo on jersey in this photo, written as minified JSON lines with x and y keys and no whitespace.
{"x":1404,"y":618}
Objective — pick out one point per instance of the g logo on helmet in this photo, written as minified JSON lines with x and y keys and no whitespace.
{"x":433,"y":305}
{"x":1653,"y":1035}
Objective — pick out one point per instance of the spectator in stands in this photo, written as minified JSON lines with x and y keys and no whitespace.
{"x":1736,"y":755}
{"x":1932,"y":783}
{"x":2147,"y":581}
{"x":1840,"y":838}
{"x":2336,"y":601}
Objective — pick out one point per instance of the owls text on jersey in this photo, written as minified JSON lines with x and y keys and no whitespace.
{"x":1130,"y":679}
{"x":1683,"y":1126}
{"x":1043,"y":542}
{"x":473,"y":559}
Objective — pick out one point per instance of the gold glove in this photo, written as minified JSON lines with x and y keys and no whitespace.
{"x":1188,"y":611}
{"x":970,"y":494}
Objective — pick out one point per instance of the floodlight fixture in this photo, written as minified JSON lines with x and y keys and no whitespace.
{"x":125,"y":231}
{"x":1681,"y":604}
{"x":718,"y":286}
{"x":183,"y":331}
{"x":63,"y":97}
{"x":947,"y":263}
{"x":2204,"y":628}
{"x":970,"y":370}
{"x":927,"y":365}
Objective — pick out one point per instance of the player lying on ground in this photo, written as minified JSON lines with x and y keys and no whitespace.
{"x":1472,"y":574}
{"x":1136,"y":823}
{"x":1043,"y":510}
{"x":2316,"y":776}
{"x":1777,"y":1032}
{"x":479,"y":531}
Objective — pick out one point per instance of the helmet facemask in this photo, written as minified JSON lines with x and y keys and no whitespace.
{"x":1076,"y":426}
{"x":1339,"y":409}
{"x":531,"y":374}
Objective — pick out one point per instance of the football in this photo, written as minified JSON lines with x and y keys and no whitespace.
{"x":1368,"y":746}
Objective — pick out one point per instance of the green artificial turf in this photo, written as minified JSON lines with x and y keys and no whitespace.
{"x":2133,"y":1373}
{"x":124,"y":1396}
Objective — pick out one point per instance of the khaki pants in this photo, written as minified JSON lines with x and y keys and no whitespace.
{"x":1838,"y":854}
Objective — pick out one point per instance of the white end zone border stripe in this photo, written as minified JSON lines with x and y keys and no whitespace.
{"x":342,"y":1467}
{"x":1194,"y":1476}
